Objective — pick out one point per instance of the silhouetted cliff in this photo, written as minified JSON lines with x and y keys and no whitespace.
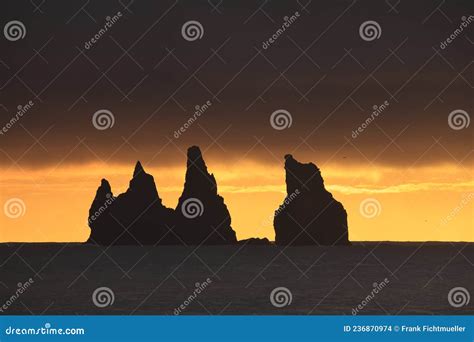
{"x":309,"y":215}
{"x":134,"y":217}
{"x":138,"y":216}
{"x":201,"y":214}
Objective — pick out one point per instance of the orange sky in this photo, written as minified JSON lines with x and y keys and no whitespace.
{"x":432,"y":203}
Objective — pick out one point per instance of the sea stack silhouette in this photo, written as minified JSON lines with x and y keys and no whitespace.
{"x":309,"y":214}
{"x":138,"y":217}
{"x":201,"y":214}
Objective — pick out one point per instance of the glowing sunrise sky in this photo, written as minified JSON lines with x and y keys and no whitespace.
{"x":417,"y":205}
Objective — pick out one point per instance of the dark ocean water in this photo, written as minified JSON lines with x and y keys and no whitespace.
{"x":408,"y":278}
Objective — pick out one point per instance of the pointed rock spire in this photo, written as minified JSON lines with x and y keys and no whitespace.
{"x":135,"y":217}
{"x":138,"y":169}
{"x":99,"y":213}
{"x":309,"y":214}
{"x":138,"y":216}
{"x":201,"y":214}
{"x":104,"y":192}
{"x":197,"y":179}
{"x":105,"y":187}
{"x":143,"y":185}
{"x":195,"y":158}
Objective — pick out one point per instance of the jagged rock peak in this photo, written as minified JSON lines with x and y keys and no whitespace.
{"x":198,"y":180}
{"x":291,"y":162}
{"x":309,"y":214}
{"x":104,"y":192}
{"x":212,"y":225}
{"x":142,"y":183}
{"x":134,"y":217}
{"x":195,"y":158}
{"x":105,"y":186}
{"x":138,"y":169}
{"x":302,"y":176}
{"x":139,"y":217}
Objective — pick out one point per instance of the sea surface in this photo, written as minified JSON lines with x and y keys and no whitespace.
{"x":366,"y":278}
